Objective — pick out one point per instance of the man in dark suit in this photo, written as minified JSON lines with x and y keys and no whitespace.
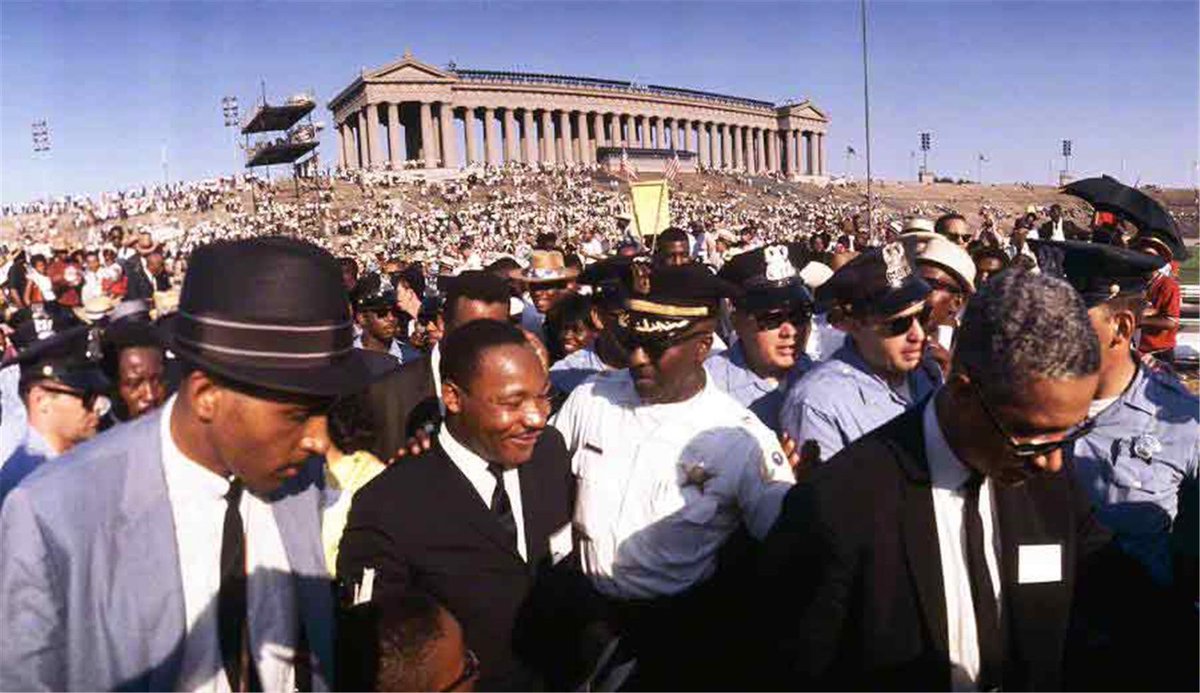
{"x":1059,"y":229}
{"x":409,"y":400}
{"x":476,"y":518}
{"x":944,"y":550}
{"x":145,"y":271}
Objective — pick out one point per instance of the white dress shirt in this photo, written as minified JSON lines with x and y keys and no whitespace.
{"x":197,"y":498}
{"x":475,"y":468}
{"x":662,"y":486}
{"x":948,"y":474}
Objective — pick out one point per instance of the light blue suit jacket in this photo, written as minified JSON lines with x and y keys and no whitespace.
{"x":90,"y":589}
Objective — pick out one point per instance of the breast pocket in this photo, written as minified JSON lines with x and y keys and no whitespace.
{"x":1149,"y":478}
{"x":597,"y":494}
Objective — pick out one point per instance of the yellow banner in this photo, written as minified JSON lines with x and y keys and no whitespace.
{"x":651,"y":207}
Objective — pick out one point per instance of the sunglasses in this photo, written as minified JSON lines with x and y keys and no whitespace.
{"x":92,"y":401}
{"x":654,"y":346}
{"x":470,"y":671}
{"x":774,"y":319}
{"x":901,"y":325}
{"x":1031,"y":449}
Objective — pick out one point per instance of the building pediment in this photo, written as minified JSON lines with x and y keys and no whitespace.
{"x":409,"y":69}
{"x":804,"y":109}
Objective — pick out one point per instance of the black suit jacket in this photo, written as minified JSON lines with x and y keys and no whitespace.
{"x":1070,"y":231}
{"x":402,"y":403}
{"x":856,"y":547}
{"x":421,"y":525}
{"x":139,"y":285}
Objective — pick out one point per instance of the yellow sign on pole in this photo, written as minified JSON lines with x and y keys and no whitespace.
{"x":651,"y":207}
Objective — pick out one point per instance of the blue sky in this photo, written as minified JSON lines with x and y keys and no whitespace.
{"x":118,"y":81}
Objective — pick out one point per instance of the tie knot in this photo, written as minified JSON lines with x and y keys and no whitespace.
{"x":234,"y":494}
{"x":496,"y":469}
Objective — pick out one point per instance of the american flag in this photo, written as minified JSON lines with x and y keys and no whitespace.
{"x":672,"y":168}
{"x":626,"y":170}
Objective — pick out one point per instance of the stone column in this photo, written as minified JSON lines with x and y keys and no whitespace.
{"x":660,"y":134}
{"x":564,"y":136}
{"x":547,"y":139}
{"x":531,"y":148}
{"x":702,"y":142}
{"x":449,"y":146}
{"x":618,"y":132}
{"x":393,"y":129}
{"x":820,"y":153}
{"x":597,"y":134}
{"x":341,"y":146}
{"x":681,"y":138}
{"x":427,"y":153}
{"x":472,"y":143}
{"x":769,"y":136}
{"x":585,"y":145}
{"x":372,"y":129}
{"x":512,"y":149}
{"x":726,"y":146}
{"x":491,"y":151}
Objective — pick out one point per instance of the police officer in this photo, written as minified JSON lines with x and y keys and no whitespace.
{"x":669,"y":467}
{"x":881,"y":370}
{"x":772,"y":320}
{"x":375,"y":314}
{"x":63,"y":388}
{"x":1145,"y":444}
{"x":609,"y":280}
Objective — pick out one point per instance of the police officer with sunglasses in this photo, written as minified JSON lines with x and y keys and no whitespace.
{"x":669,"y":467}
{"x":882,"y":369}
{"x":772,"y":321}
{"x":63,"y":388}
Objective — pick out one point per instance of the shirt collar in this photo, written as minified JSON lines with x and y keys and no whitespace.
{"x":469,"y":463}
{"x":945,"y":469}
{"x":1135,"y":396}
{"x":37,"y":444}
{"x":186,"y":478}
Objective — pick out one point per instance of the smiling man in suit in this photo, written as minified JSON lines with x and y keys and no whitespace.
{"x":944,"y":550}
{"x":182,"y":551}
{"x":474,"y":519}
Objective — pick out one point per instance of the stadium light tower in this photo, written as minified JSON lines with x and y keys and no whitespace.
{"x":926,"y":140}
{"x":1066,"y":152}
{"x":41,"y":136}
{"x":229,"y":109}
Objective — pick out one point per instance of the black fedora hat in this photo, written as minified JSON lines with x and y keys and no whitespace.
{"x":272,"y":313}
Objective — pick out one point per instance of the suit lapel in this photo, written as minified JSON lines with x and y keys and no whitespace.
{"x":459,"y":493}
{"x":919,"y":530}
{"x":535,"y":530}
{"x":146,"y":579}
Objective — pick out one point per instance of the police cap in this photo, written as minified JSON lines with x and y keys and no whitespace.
{"x":769,"y":276}
{"x":72,"y":357}
{"x":880,"y":281}
{"x":1101,"y":272}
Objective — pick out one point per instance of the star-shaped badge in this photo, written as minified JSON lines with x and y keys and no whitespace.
{"x":696,"y":474}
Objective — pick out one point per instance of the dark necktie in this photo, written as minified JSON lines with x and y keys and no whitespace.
{"x":987,"y":612}
{"x":231,"y":598}
{"x":502,"y":507}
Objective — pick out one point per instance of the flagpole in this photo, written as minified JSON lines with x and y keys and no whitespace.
{"x":867,"y":121}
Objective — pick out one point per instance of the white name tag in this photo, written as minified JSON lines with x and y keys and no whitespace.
{"x":1039,"y":563}
{"x":561,"y":543}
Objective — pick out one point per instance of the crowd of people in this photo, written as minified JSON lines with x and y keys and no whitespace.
{"x":485,"y":436}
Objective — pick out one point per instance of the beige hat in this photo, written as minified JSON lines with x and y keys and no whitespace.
{"x":937,"y":250}
{"x":545,"y":266}
{"x":912,"y":224}
{"x":95,"y":309}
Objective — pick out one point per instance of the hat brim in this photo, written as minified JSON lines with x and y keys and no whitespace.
{"x":913,"y":289}
{"x":567,"y":274}
{"x":351,"y":373}
{"x":770,"y":298}
{"x":86,"y":380}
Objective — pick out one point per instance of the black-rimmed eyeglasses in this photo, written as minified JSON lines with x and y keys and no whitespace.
{"x":1036,"y":448}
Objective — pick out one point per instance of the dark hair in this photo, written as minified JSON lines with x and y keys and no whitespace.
{"x":503,"y":266}
{"x":126,"y":334}
{"x":546,"y":240}
{"x":572,"y":260}
{"x":385,"y":644}
{"x":1022,"y":326}
{"x":943,"y":221}
{"x":474,"y":285}
{"x":673,"y":234}
{"x":573,"y":309}
{"x":462,"y":349}
{"x":352,"y":423}
{"x":34,"y":260}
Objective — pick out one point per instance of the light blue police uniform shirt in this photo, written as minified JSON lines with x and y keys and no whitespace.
{"x":764,"y":396}
{"x":842,"y":399}
{"x":401,"y":351}
{"x":29,"y":455}
{"x":13,"y":418}
{"x":1144,"y":447}
{"x":570,"y":371}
